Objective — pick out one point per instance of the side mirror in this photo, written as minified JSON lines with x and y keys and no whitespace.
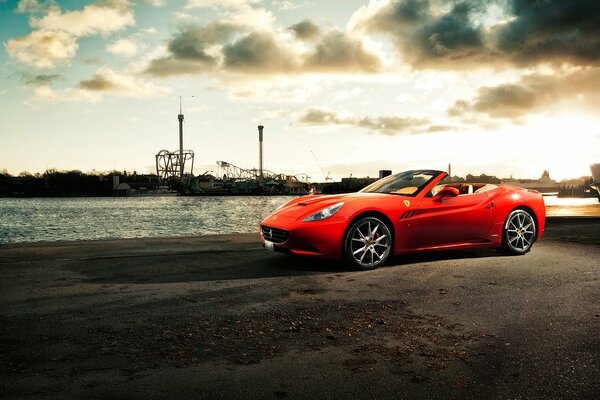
{"x":446,"y":192}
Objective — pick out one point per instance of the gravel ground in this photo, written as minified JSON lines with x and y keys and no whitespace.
{"x":218,"y":317}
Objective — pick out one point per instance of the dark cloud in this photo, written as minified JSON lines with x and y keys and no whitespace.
{"x":552,"y":30}
{"x":426,"y":38}
{"x":191,"y":41}
{"x":188,"y":50}
{"x":98,"y":83}
{"x":386,"y":125}
{"x":258,"y":52}
{"x":29,"y":79}
{"x":530,"y":94}
{"x":305,"y":30}
{"x":337,"y":51}
{"x":222,"y":47}
{"x":399,"y":17}
{"x":450,"y":37}
{"x":507,"y":101}
{"x":555,"y":31}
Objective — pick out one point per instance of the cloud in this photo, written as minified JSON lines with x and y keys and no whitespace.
{"x":258,"y":19}
{"x":98,"y":83}
{"x":506,"y":101}
{"x":286,"y":5}
{"x":28,"y":79}
{"x":107,"y":80}
{"x":258,"y":52}
{"x":148,"y":31}
{"x":532,"y":93}
{"x":104,"y":82}
{"x":316,"y":116}
{"x":54,"y":40}
{"x":42,"y":48}
{"x":386,"y":125}
{"x":34,"y":6}
{"x":427,"y":35}
{"x":98,"y":18}
{"x":552,"y":31}
{"x":336,"y":51}
{"x":235,"y":47}
{"x":122,"y":47}
{"x":277,"y":90}
{"x":183,"y":15}
{"x":305,"y":30}
{"x":220,"y":3}
{"x":191,"y":50}
{"x":45,"y":94}
{"x":155,"y":3}
{"x":423,"y":37}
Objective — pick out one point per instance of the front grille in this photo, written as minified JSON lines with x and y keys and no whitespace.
{"x":275,"y":235}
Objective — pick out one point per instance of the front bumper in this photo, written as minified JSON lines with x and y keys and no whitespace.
{"x":315,"y":238}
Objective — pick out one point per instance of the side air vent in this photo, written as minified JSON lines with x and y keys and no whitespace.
{"x":409,"y":214}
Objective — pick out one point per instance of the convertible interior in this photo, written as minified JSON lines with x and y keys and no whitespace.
{"x":465,"y":188}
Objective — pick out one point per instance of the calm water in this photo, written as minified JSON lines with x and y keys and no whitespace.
{"x":32,"y":220}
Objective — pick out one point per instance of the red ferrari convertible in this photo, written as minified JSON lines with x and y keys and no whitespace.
{"x":407,"y":212}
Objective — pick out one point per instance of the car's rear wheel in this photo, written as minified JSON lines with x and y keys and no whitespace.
{"x":519,"y":232}
{"x":368,"y":243}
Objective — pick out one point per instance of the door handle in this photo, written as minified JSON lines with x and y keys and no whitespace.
{"x":491,"y":205}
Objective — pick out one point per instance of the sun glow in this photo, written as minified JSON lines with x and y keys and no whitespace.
{"x":565,"y":144}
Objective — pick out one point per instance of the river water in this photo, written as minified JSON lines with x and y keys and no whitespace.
{"x":52,"y":219}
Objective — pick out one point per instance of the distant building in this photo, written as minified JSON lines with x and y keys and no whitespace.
{"x":543,"y":185}
{"x":138,"y":183}
{"x":483,"y":178}
{"x":123,"y":189}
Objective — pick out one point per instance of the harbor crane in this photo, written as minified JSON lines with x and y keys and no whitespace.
{"x":327,"y":177}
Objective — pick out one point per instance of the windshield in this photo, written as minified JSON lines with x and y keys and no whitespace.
{"x":405,"y":183}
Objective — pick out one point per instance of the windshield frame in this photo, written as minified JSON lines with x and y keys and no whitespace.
{"x":381,"y":182}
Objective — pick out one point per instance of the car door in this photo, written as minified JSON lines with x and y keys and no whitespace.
{"x":463,"y":218}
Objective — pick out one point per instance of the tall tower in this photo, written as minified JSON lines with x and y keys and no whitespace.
{"x":260,"y":152}
{"x":181,"y":159}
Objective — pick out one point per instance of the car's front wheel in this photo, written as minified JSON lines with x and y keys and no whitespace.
{"x":368,"y":243}
{"x":519,"y":232}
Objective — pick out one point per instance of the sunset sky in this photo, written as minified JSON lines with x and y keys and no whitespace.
{"x":502,"y":87}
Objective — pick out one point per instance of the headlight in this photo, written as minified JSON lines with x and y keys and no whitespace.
{"x":324,"y":213}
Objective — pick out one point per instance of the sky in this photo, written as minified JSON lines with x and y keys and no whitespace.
{"x":501,"y":87}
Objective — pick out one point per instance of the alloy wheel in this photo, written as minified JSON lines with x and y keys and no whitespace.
{"x":370,"y":243}
{"x":519,"y":231}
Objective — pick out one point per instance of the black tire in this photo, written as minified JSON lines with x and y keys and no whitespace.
{"x":368,"y":243}
{"x":519,"y":232}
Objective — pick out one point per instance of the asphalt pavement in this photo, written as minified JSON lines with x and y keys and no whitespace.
{"x":218,"y":317}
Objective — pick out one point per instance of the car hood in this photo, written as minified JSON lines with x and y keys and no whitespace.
{"x":308,"y":205}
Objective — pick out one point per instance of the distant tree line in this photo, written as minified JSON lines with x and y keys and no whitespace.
{"x":53,"y":183}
